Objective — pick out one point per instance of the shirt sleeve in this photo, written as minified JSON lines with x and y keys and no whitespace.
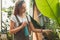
{"x":13,"y":18}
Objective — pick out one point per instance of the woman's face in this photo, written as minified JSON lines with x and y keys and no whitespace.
{"x":23,"y":8}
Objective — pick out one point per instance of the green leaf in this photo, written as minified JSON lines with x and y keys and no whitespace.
{"x":35,"y":23}
{"x":49,"y":8}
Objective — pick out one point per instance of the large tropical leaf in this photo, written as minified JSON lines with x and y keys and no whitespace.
{"x":49,"y":8}
{"x":35,"y":23}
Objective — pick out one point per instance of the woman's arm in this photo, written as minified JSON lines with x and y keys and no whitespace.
{"x":14,"y":30}
{"x":37,"y":30}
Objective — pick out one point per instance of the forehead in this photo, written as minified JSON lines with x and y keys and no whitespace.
{"x":24,"y":4}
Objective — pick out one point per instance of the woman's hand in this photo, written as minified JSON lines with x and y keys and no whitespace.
{"x":46,"y":30}
{"x":15,"y":30}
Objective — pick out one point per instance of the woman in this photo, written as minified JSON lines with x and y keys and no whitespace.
{"x":18,"y":29}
